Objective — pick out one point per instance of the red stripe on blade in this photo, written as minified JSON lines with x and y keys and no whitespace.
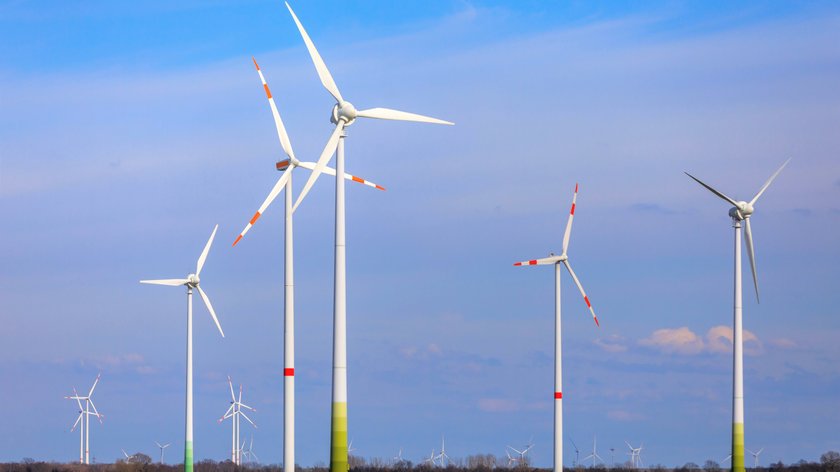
{"x":289,"y":372}
{"x":534,"y":262}
{"x":596,"y":322}
{"x":558,"y":395}
{"x":517,"y":263}
{"x":573,"y":209}
{"x":586,"y":299}
{"x":576,"y":187}
{"x":255,"y":218}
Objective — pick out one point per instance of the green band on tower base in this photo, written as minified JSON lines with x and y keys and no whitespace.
{"x":338,"y":441}
{"x":738,"y":447}
{"x":188,"y":457}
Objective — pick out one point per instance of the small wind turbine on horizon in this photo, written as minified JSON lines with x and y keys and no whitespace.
{"x":577,"y":453}
{"x":741,"y":211}
{"x":635,"y":455}
{"x":522,"y":460}
{"x":343,"y":115}
{"x":594,"y":454}
{"x":443,"y":454}
{"x":234,"y":412}
{"x":191,"y":282}
{"x":287,"y":166}
{"x":755,"y":456}
{"x":556,"y":261}
{"x":162,"y":447}
{"x":83,"y":420}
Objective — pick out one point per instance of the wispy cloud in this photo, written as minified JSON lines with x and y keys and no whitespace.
{"x":612,"y":343}
{"x":684,"y":341}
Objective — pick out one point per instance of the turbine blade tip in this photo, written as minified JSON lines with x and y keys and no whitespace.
{"x":255,"y":62}
{"x":238,"y":238}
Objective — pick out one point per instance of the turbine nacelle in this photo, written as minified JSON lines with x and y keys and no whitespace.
{"x":742,"y":211}
{"x":343,"y":111}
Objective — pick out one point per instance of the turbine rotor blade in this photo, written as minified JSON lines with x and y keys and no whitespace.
{"x":767,"y":184}
{"x":569,"y":223}
{"x":580,"y":287}
{"x":203,"y":257}
{"x":170,"y":282}
{"x":78,"y":399}
{"x":719,"y":194}
{"x":397,"y":115}
{"x":278,"y":187}
{"x":94,"y":385}
{"x":543,"y":261}
{"x":249,"y":419}
{"x":285,"y":143}
{"x":751,"y":252}
{"x":330,"y":171}
{"x":328,"y":151}
{"x":320,"y":67}
{"x":78,"y":419}
{"x":232,"y":396}
{"x":210,"y":309}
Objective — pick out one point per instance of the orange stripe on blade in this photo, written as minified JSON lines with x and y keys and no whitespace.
{"x":356,"y":179}
{"x":255,"y":62}
{"x":255,"y":218}
{"x":267,"y":91}
{"x":237,"y":239}
{"x":380,"y":187}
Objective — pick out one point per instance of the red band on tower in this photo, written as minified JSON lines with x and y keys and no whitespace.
{"x":289,"y":372}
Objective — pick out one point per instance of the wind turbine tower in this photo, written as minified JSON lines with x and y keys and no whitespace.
{"x":343,"y":115}
{"x":740,"y":214}
{"x":556,"y":261}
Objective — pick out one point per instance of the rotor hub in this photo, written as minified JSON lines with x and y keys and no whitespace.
{"x":193,"y":280}
{"x":343,"y":111}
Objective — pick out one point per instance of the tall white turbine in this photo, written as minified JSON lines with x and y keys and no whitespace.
{"x":741,"y":211}
{"x":234,"y":412}
{"x":285,"y":182}
{"x":443,"y":456}
{"x":558,"y":351}
{"x":83,"y":420}
{"x":343,"y":115}
{"x":162,"y":447}
{"x":191,"y":282}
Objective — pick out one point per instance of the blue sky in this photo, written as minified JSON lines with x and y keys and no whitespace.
{"x":128,"y":130}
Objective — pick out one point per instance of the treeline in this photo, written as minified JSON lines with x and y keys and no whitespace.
{"x":829,"y":462}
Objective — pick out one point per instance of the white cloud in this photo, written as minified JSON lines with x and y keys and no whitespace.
{"x":686,"y":342}
{"x":497,"y":405}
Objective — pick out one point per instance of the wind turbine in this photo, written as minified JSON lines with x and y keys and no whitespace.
{"x":521,"y":459}
{"x":128,"y":458}
{"x":162,"y":447}
{"x":234,"y":412}
{"x":343,"y":115}
{"x":191,"y":282}
{"x":443,"y":454}
{"x":755,"y":456}
{"x":594,"y":454}
{"x":431,"y":459}
{"x":635,"y":454}
{"x":558,"y":351}
{"x":740,"y":211}
{"x":83,"y":420}
{"x":250,"y":454}
{"x":577,"y":452}
{"x":285,"y":182}
{"x":398,"y":458}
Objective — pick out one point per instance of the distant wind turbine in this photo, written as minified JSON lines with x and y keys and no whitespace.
{"x":83,"y":420}
{"x":191,"y":282}
{"x":234,"y":412}
{"x":741,"y":211}
{"x":755,"y":456}
{"x":162,"y":447}
{"x":594,"y":454}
